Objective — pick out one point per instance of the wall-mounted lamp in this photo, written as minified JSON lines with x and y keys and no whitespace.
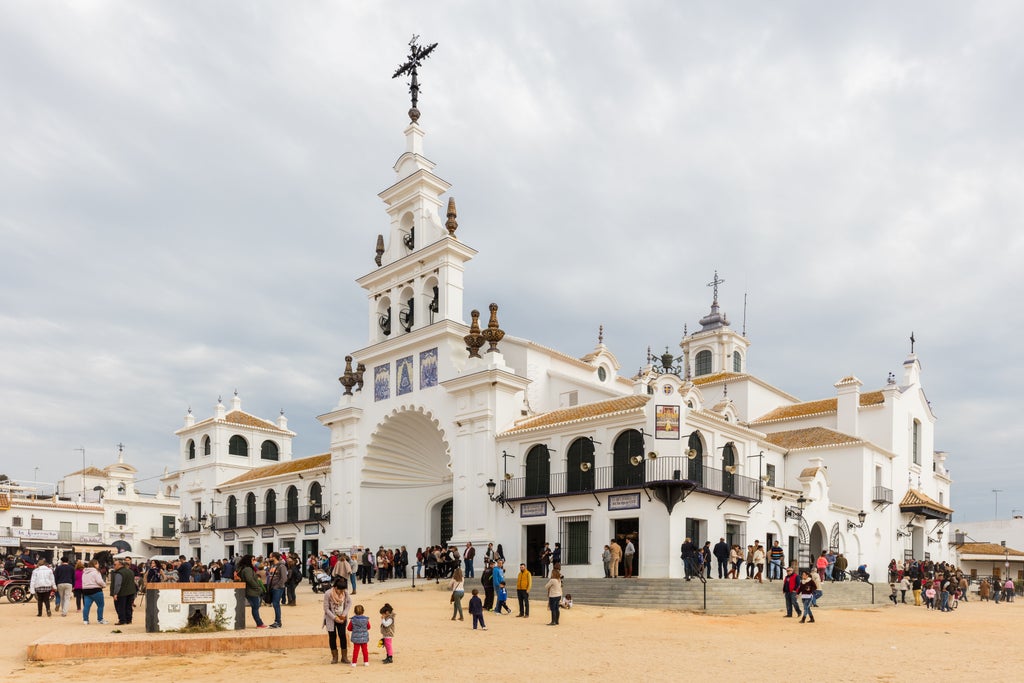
{"x":798,"y":511}
{"x":861,"y":516}
{"x":500,"y":498}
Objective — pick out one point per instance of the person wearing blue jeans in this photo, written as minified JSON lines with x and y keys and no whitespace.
{"x":806,"y":590}
{"x":277,"y":579}
{"x":93,"y":584}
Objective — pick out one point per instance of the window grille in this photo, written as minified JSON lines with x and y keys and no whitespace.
{"x":574,"y":535}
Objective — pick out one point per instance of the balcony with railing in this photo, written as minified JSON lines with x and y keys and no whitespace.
{"x":269,"y":516}
{"x":880,"y":494}
{"x":671,"y":471}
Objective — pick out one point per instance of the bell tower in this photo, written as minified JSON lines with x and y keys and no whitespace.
{"x":715,"y":347}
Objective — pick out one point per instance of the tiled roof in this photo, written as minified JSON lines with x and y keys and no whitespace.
{"x":825,"y":405}
{"x":50,"y":503}
{"x":277,"y":469}
{"x":986,"y":549}
{"x":811,"y":437}
{"x":587,"y":411}
{"x":89,"y":471}
{"x":717,"y":377}
{"x":915,"y":498}
{"x":244,"y":419}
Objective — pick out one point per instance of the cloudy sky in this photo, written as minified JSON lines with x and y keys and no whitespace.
{"x":188,"y":190}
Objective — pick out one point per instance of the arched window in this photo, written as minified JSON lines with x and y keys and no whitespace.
{"x":580,"y":458}
{"x":191,"y":449}
{"x":917,"y":442}
{"x":737,"y":362}
{"x":291,"y":498}
{"x":232,"y":512}
{"x":270,"y":504}
{"x":538,"y":471}
{"x":316,"y":502}
{"x":238,"y":446}
{"x":268,"y":451}
{"x":250,"y":508}
{"x":702,"y":366}
{"x":728,"y":460}
{"x":695,"y":465}
{"x":628,"y":459}
{"x":206,"y":445}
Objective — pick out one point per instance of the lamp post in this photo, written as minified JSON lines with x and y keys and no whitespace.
{"x":861,"y":516}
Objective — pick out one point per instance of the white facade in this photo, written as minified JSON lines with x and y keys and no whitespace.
{"x":94,"y":509}
{"x":578,"y":454}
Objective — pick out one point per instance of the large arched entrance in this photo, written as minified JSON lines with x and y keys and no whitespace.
{"x":406,"y":482}
{"x":819,"y":542}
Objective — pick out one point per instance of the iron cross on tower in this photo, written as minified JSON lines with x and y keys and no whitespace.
{"x":714,"y":283}
{"x":417,"y":54}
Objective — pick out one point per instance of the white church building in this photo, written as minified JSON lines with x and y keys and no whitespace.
{"x":448,"y":430}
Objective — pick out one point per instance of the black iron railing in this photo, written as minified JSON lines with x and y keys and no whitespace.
{"x":648,"y":472}
{"x":880,"y":494}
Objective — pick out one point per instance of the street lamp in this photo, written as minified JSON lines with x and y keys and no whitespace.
{"x":500,"y":498}
{"x":861,"y":516}
{"x":797,"y":512}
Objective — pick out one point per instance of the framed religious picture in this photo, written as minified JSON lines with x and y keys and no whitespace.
{"x":382,"y":382}
{"x":428,"y":368}
{"x":403,"y":376}
{"x":666,"y":422}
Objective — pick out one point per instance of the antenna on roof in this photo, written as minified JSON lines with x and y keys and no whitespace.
{"x":744,"y":332}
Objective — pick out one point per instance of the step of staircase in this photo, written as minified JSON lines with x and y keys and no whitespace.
{"x":723,"y":596}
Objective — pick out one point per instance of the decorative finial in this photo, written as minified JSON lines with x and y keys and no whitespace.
{"x":891,"y":379}
{"x":360,"y":369}
{"x":474,"y":340}
{"x":451,"y":223}
{"x":912,"y":340}
{"x":236,"y":391}
{"x":600,"y":334}
{"x":686,"y":332}
{"x":649,"y":354}
{"x":219,"y":399}
{"x":348,"y":380}
{"x":417,"y":54}
{"x":282,"y":411}
{"x":725,"y":391}
{"x":493,"y":334}
{"x":380,"y":249}
{"x":189,"y":410}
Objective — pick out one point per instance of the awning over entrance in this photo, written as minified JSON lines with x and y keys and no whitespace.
{"x":918,"y":503}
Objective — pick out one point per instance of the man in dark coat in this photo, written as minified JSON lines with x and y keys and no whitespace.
{"x":721,"y":553}
{"x":688,"y":552}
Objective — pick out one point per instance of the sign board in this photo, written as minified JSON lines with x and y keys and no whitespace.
{"x":267,"y":533}
{"x":91,"y":538}
{"x":624,"y":501}
{"x":312,"y":529}
{"x":193,"y":597}
{"x":229,"y":535}
{"x":37,"y":534}
{"x":533,"y":509}
{"x":194,"y":541}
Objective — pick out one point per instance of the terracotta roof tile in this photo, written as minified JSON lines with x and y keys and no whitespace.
{"x":244,"y":419}
{"x":986,"y":549}
{"x":915,"y":498}
{"x":89,"y":471}
{"x":717,"y":377}
{"x":821,"y":407}
{"x":277,"y":469}
{"x":811,"y":437}
{"x":578,"y":413}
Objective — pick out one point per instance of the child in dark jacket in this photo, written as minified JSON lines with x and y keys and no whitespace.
{"x":359,"y":626}
{"x":476,"y":608}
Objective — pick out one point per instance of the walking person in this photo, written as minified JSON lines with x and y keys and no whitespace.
{"x":123,"y":590}
{"x":806,"y":590}
{"x":64,"y":577}
{"x":606,"y":560}
{"x":41,"y":584}
{"x":554,"y":590}
{"x":458,"y":589}
{"x":476,"y":608}
{"x":253,"y":588}
{"x":758,"y":563}
{"x":79,"y":570}
{"x":467,"y":558}
{"x":775,"y":557}
{"x":790,"y":584}
{"x":93,"y":584}
{"x":524,"y":582}
{"x":337,"y":604}
{"x":498,"y":580}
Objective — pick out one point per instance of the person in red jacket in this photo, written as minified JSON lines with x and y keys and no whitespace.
{"x":790,"y":584}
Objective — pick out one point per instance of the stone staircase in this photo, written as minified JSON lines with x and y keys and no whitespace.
{"x":723,"y":596}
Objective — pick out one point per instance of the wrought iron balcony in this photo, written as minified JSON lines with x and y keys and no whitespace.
{"x":675,"y":470}
{"x":880,"y":494}
{"x":269,"y":516}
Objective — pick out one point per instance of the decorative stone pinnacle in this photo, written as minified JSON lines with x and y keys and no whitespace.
{"x":451,"y":223}
{"x":474,"y":340}
{"x":380,"y":249}
{"x":600,"y":334}
{"x":493,"y":334}
{"x":360,"y":369}
{"x":348,"y":380}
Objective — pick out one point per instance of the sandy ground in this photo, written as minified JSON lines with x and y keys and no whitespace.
{"x":976,"y":642}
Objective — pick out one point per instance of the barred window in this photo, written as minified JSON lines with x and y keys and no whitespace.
{"x":770,"y":471}
{"x":574,"y":535}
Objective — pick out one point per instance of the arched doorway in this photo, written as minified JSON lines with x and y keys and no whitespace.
{"x":818,"y":542}
{"x":695,"y":459}
{"x":628,"y":459}
{"x":538,"y":471}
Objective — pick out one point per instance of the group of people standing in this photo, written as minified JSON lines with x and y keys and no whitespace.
{"x":493,"y":582}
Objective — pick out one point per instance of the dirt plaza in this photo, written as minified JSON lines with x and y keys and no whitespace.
{"x":881,"y":644}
